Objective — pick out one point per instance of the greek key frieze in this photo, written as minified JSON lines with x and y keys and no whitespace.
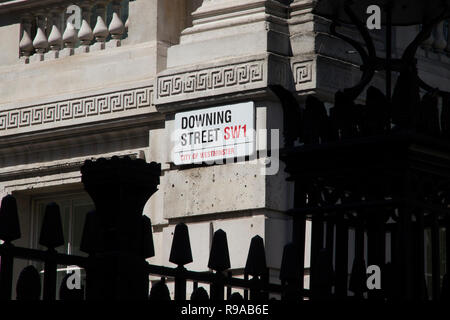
{"x":211,"y":79}
{"x":82,"y":108}
{"x":302,"y":72}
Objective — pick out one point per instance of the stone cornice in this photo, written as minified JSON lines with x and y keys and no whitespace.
{"x":16,"y":120}
{"x":17,"y":5}
{"x":83,"y":130}
{"x":238,"y":7}
{"x":57,"y":167}
{"x":302,"y":4}
{"x":224,"y":14}
{"x":178,"y":88}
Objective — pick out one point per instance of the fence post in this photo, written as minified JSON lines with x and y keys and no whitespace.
{"x":435,"y":257}
{"x":447,"y":245}
{"x":51,"y":237}
{"x":120,"y":188}
{"x":6,"y":272}
{"x":180,"y":254}
{"x":299,"y":227}
{"x":50,"y":275}
{"x":229,"y":276}
{"x":341,"y":261}
{"x":9,"y":231}
{"x":219,"y":261}
{"x":180,"y":284}
{"x":316,"y":247}
{"x":376,"y":244}
{"x":87,"y":245}
{"x":246,"y":291}
{"x":148,"y":249}
{"x":357,"y":282}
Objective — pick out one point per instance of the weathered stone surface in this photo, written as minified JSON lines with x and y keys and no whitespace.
{"x":9,"y":54}
{"x":214,"y":189}
{"x":178,"y":55}
{"x":77,"y":73}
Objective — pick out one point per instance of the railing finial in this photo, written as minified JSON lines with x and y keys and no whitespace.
{"x":256,"y":259}
{"x":52,"y":231}
{"x":28,"y":286}
{"x":181,"y":253}
{"x":9,"y":220}
{"x":219,"y":257}
{"x":70,"y":37}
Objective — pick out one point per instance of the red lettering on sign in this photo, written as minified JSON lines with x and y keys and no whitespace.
{"x":234,"y":132}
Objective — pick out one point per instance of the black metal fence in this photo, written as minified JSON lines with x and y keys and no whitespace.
{"x":379,"y":172}
{"x":108,"y":262}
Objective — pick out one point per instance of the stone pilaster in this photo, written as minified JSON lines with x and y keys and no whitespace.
{"x":233,"y":46}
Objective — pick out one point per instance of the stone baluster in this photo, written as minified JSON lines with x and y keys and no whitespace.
{"x":116,"y":27}
{"x":40,"y":42}
{"x":127,"y":24}
{"x":26,"y":44}
{"x":86,"y":34}
{"x":55,"y":39}
{"x":439,"y":43}
{"x":101,"y":30}
{"x":70,"y":39}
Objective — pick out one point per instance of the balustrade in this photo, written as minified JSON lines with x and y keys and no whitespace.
{"x":439,"y":41}
{"x":71,"y":28}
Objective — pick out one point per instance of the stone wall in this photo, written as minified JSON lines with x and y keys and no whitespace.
{"x":122,"y":99}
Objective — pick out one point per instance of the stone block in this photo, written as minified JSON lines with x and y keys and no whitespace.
{"x":208,"y":190}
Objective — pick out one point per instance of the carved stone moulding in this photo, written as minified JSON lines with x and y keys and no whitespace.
{"x":75,"y":111}
{"x":178,"y":88}
{"x":303,"y":72}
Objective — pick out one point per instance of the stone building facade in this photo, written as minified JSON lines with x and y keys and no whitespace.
{"x":97,"y":78}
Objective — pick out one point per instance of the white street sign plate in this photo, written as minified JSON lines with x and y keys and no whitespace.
{"x":214,"y":133}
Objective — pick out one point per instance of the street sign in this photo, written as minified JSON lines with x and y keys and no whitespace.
{"x":214,"y":133}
